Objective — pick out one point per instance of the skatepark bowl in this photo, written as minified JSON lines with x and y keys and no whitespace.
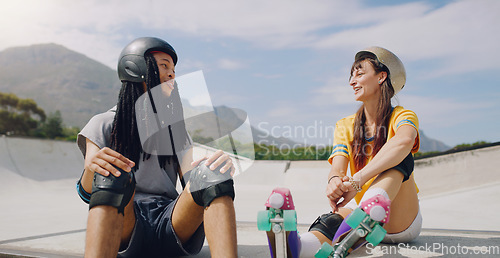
{"x":42,"y":215}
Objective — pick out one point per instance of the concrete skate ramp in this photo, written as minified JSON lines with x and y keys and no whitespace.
{"x":42,"y":216}
{"x":40,"y":160}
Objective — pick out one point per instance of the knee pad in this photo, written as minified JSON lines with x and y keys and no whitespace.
{"x":207,"y":185}
{"x":327,"y":224}
{"x":406,"y":167}
{"x":112,"y":191}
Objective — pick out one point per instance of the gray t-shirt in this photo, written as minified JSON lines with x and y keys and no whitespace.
{"x":151,"y":179}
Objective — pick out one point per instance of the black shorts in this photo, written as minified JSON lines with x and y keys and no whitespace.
{"x":154,"y":235}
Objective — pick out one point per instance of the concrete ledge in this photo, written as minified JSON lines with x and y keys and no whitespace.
{"x":458,"y":170}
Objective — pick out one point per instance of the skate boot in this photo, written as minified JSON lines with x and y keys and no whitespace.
{"x":363,"y":225}
{"x":279,"y":220}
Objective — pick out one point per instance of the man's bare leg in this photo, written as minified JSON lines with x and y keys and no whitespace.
{"x":187,"y":216}
{"x":220,"y":228}
{"x":107,"y":230}
{"x":104,"y":229}
{"x":219,"y":221}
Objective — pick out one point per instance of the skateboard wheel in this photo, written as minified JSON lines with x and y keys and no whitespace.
{"x":377,"y":235}
{"x":290,"y":220}
{"x":263,"y":222}
{"x":325,"y":251}
{"x":355,"y":218}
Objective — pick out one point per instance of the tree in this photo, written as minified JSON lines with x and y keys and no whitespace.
{"x":19,"y":116}
{"x":53,"y":127}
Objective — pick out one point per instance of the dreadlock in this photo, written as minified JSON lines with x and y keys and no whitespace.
{"x":124,"y":135}
{"x":384,"y":111}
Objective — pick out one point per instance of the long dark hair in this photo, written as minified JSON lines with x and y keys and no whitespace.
{"x":383,"y":116}
{"x":125,"y":135}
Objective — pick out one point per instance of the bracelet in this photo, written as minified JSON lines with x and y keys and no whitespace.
{"x":330,"y":179}
{"x":354,"y":184}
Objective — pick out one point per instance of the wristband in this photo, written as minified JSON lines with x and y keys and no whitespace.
{"x":81,"y":192}
{"x":330,"y":179}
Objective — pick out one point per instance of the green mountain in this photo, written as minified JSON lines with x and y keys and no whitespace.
{"x":59,"y":79}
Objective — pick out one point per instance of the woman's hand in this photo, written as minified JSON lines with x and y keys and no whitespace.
{"x":340,"y":191}
{"x":335,"y":190}
{"x":215,"y":160}
{"x":348,"y":195}
{"x":104,"y":161}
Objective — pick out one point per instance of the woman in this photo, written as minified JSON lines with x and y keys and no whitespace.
{"x":134,"y":208}
{"x":376,"y":144}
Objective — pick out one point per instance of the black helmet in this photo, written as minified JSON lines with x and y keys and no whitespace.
{"x":132,"y":65}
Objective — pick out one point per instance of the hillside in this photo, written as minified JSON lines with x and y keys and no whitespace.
{"x":79,"y":87}
{"x":59,"y":79}
{"x":427,"y":144}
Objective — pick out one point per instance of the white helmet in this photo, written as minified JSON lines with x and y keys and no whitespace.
{"x":396,"y":68}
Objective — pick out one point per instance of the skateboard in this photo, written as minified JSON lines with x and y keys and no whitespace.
{"x":366,"y":226}
{"x":279,"y":220}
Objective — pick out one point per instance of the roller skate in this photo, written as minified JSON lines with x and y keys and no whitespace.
{"x":365,"y":224}
{"x":279,"y":220}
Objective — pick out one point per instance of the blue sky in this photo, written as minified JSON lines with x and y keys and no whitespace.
{"x":287,"y":62}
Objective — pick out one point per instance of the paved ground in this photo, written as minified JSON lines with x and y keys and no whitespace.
{"x":42,"y":216}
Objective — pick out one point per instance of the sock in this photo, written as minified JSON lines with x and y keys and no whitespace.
{"x":309,"y":245}
{"x":372,"y":192}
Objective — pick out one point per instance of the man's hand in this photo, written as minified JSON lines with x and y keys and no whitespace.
{"x":215,"y":160}
{"x":103,"y":161}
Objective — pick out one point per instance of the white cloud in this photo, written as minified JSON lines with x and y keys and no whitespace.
{"x":454,"y":121}
{"x":229,"y":64}
{"x":268,"y":76}
{"x":190,"y":65}
{"x":335,"y":92}
{"x":81,"y":26}
{"x":458,"y":34}
{"x":97,"y":28}
{"x":441,"y":112}
{"x":456,"y":38}
{"x":269,"y":24}
{"x":278,"y":23}
{"x":283,"y":110}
